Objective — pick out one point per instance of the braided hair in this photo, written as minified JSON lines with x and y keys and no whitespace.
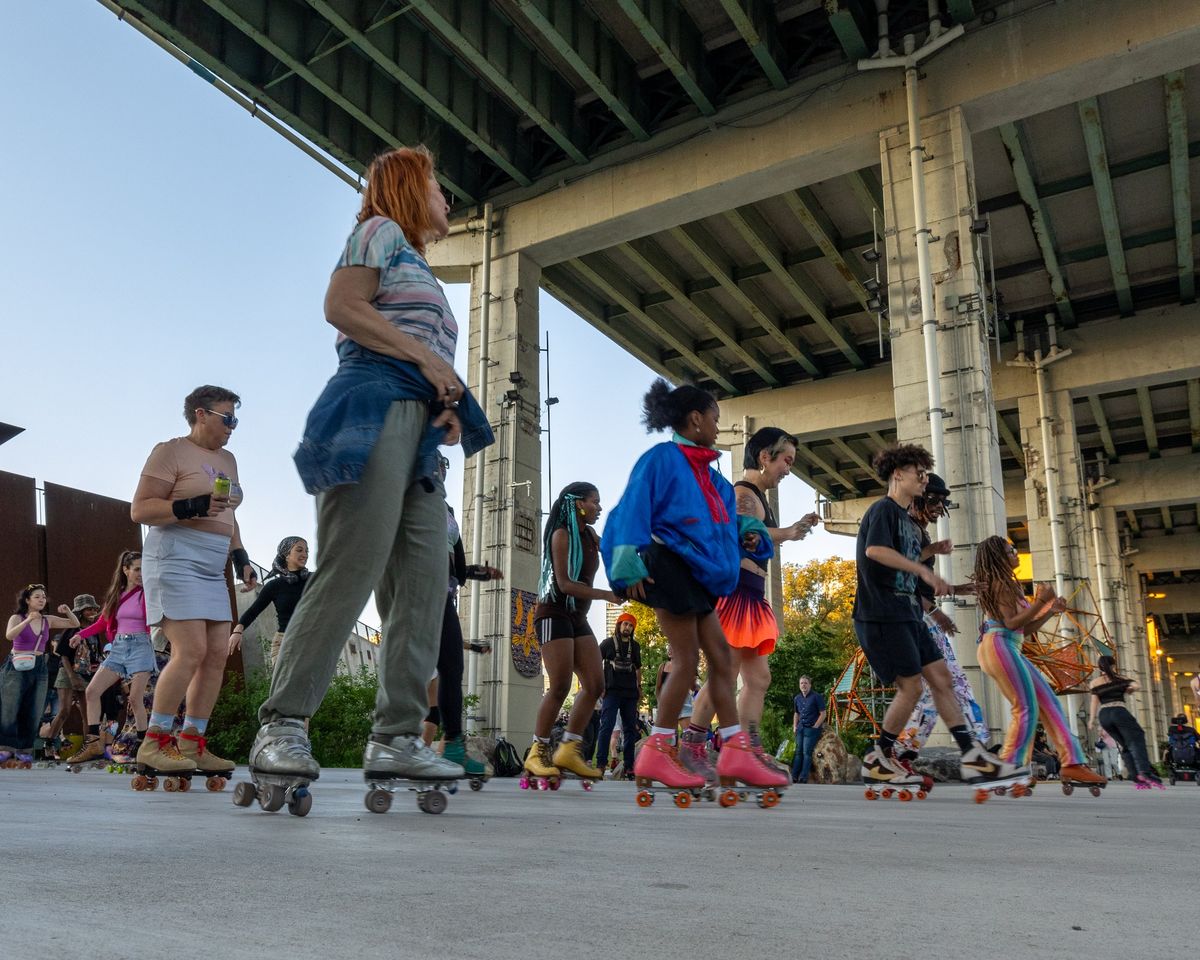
{"x":564,"y":513}
{"x":995,"y":581}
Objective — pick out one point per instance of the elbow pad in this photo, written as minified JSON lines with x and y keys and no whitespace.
{"x":241,"y":560}
{"x":192,"y":507}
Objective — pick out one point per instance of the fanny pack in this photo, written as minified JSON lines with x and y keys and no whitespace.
{"x":24,"y":661}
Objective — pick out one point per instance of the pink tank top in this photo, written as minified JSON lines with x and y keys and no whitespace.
{"x":131,"y":613}
{"x":29,"y":642}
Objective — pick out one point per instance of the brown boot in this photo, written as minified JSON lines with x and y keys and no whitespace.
{"x":159,"y":752}
{"x":1079,"y":773}
{"x":92,"y":749}
{"x":194,"y":747}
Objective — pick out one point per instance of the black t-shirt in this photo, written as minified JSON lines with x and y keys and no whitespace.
{"x":83,"y":660}
{"x":622,"y":660}
{"x":284,"y":592}
{"x":924,"y":590}
{"x":884,"y":594}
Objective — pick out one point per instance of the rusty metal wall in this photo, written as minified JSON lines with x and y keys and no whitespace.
{"x":85,"y":534}
{"x":21,"y":555}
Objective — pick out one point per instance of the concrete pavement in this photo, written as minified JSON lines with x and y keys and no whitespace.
{"x":92,"y":869}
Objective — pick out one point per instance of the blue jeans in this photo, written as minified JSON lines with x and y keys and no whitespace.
{"x":22,"y":702}
{"x":627,"y":704}
{"x":806,"y":743}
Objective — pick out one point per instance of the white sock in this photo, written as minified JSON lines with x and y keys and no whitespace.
{"x":541,"y":739}
{"x":568,"y":737}
{"x":668,"y":732}
{"x":727,"y":732}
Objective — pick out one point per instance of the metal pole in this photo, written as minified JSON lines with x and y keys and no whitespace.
{"x":485,"y":306}
{"x":929,"y":329}
{"x":1050,"y":468}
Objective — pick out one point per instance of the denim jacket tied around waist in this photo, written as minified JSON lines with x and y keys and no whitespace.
{"x":347,"y":418}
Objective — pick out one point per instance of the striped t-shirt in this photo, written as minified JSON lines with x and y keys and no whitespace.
{"x":409,"y":295}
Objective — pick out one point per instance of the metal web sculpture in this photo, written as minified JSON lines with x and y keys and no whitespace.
{"x":1060,"y":649}
{"x":859,"y":696}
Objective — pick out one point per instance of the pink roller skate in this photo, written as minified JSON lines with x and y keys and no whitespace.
{"x":657,"y":762}
{"x":739,"y":763}
{"x":1148,"y":781}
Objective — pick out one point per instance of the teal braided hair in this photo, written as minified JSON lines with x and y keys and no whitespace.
{"x":564,"y":512}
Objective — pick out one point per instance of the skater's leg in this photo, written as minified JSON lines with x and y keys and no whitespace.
{"x":629,"y":719}
{"x":137,"y":699}
{"x":205,"y":687}
{"x":590,"y":670}
{"x":941,"y":688}
{"x":1058,"y":727}
{"x":683,"y":640}
{"x":608,"y":723}
{"x":101,"y":681}
{"x":721,"y":675}
{"x":189,"y":647}
{"x":702,"y":706}
{"x":1108,"y":722}
{"x":357,"y":526}
{"x":755,"y":672}
{"x":558,"y":656}
{"x":1001,"y":661}
{"x":1134,"y":739}
{"x":908,"y":692}
{"x":972,"y":712}
{"x":411,"y":594}
{"x":450,"y":672}
{"x":921,"y":722}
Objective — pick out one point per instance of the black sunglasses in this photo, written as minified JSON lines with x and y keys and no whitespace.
{"x":226,"y":418}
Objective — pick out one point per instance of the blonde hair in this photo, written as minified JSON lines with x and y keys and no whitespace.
{"x":398,"y":188}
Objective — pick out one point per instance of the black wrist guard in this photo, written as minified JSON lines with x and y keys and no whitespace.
{"x":241,"y":560}
{"x":192,"y":507}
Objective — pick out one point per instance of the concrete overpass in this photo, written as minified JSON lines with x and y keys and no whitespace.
{"x":716,"y":186}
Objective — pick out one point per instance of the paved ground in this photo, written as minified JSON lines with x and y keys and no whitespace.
{"x":505,"y":873}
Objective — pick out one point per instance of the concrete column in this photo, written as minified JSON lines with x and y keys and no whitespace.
{"x":512,"y":483}
{"x":972,"y":455}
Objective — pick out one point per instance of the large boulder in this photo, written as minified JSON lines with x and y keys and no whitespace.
{"x":831,"y":763}
{"x":940,"y":763}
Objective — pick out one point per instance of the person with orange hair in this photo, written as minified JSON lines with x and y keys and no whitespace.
{"x":370,"y":455}
{"x":622,"y":658}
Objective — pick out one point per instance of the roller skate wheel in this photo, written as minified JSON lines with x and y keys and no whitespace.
{"x":1001,"y":791}
{"x":1068,"y":788}
{"x":644,"y":798}
{"x":184,"y":785}
{"x":887,"y":793}
{"x":769,"y":799}
{"x":244,"y":794}
{"x":152,"y":783}
{"x":169,"y":784}
{"x":300,"y":803}
{"x":870,"y":794}
{"x":435,"y":801}
{"x":981,"y":796}
{"x":1094,"y":791}
{"x":214,"y":784}
{"x":921,"y":794}
{"x":476,"y":784}
{"x":683,"y":800}
{"x":1018,"y":790}
{"x":271,"y":798}
{"x":554,"y":783}
{"x":904,"y":795}
{"x":139,"y":783}
{"x":378,"y":801}
{"x":587,"y":784}
{"x":524,"y":783}
{"x":452,"y":788}
{"x":729,"y":798}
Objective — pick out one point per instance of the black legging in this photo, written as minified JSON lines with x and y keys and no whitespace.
{"x":450,"y":672}
{"x":1120,"y":724}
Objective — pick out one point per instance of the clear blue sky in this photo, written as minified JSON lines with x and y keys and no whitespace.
{"x":156,"y":237}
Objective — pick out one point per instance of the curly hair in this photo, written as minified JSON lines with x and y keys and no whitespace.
{"x":664,"y":407}
{"x":886,"y":462}
{"x":398,"y":189}
{"x":993,"y":577}
{"x":204,"y":397}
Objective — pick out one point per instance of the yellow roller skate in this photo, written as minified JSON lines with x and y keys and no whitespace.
{"x":540,"y":771}
{"x":569,"y":759}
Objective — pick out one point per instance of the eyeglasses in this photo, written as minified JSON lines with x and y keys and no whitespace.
{"x":35,"y":586}
{"x":226,"y":418}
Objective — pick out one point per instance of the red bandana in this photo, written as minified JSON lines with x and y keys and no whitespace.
{"x":699,"y":459}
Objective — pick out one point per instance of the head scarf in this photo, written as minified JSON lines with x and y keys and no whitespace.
{"x":279,"y":567}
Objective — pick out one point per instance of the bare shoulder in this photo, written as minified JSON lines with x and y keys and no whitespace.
{"x":748,"y":505}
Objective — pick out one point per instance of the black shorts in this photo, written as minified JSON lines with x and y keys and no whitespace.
{"x":898,"y":649}
{"x":675,"y":589}
{"x":564,"y":626}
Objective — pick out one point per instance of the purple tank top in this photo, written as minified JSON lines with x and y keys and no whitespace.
{"x":29,"y":642}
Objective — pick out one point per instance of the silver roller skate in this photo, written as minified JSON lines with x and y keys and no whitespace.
{"x":389,"y":762}
{"x":281,"y":768}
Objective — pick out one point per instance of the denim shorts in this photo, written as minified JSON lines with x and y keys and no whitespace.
{"x":131,"y":653}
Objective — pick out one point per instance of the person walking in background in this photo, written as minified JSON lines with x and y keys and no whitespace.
{"x":808,"y":719}
{"x":23,"y":677}
{"x":369,"y":455}
{"x":622,"y":657}
{"x":188,"y":494}
{"x":1108,"y":691}
{"x":282,"y":587}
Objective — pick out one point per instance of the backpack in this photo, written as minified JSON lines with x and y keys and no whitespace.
{"x":507,"y":762}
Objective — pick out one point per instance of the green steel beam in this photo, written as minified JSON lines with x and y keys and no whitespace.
{"x":592,"y":52}
{"x":713,"y":260}
{"x":1018,"y":157}
{"x":426,"y":72}
{"x":1181,"y":184}
{"x":844,"y":19}
{"x":564,"y":286}
{"x":650,"y":258}
{"x":1193,"y":391}
{"x":675,"y":40}
{"x":829,"y":469}
{"x":755,"y":21}
{"x":1010,"y":440}
{"x":807,"y":209}
{"x":482,"y":37}
{"x":1147,"y":411}
{"x":857,"y":459}
{"x":819,"y":485}
{"x":610,"y":281}
{"x":1097,"y":405}
{"x":750,"y":224}
{"x":961,"y":11}
{"x":348,"y":81}
{"x":1093,"y":135}
{"x":1096,"y":251}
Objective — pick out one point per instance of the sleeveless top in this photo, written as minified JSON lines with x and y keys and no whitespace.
{"x":769,"y":519}
{"x":29,"y":642}
{"x":554,"y":604}
{"x":1112,"y":692}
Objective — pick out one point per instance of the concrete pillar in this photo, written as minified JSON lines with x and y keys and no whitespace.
{"x":511,"y":513}
{"x":972,"y":454}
